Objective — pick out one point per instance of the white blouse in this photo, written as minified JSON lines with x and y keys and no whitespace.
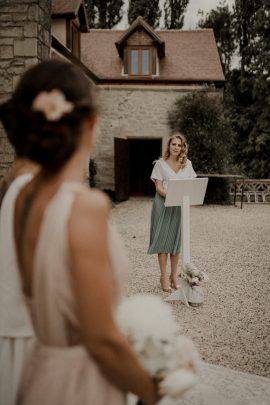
{"x":162,"y":171}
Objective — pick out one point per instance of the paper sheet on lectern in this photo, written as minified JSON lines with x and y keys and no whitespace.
{"x":193,"y":188}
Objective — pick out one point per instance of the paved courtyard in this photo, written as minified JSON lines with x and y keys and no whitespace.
{"x":232,"y":328}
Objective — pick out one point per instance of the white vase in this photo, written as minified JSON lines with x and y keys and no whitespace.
{"x":193,"y":294}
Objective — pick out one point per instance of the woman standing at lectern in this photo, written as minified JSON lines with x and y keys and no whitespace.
{"x":165,"y":234}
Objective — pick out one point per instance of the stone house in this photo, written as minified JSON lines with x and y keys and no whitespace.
{"x":31,"y":31}
{"x":25,"y":39}
{"x":68,"y":22}
{"x":141,"y":72}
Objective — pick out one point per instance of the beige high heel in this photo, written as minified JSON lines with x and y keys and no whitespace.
{"x":174,"y":284}
{"x":164,"y":282}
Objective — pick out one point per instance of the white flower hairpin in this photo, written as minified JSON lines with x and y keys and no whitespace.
{"x":52,"y":104}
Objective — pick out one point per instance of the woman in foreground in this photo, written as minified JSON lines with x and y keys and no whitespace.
{"x":69,"y":258}
{"x":165,"y":221}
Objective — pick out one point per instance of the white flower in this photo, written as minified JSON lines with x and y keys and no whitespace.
{"x":153,"y":356}
{"x":186,"y":353}
{"x":205,"y":277}
{"x":52,"y":104}
{"x":192,"y":275}
{"x":144,"y":315}
{"x":148,"y":324}
{"x":195,"y":280}
{"x":177,"y":382}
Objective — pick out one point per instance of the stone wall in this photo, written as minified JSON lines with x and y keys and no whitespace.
{"x":25,"y":38}
{"x":139,"y":112}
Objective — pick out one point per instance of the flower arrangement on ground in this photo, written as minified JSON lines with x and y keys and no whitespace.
{"x":171,"y":359}
{"x":193,"y":276}
{"x":192,"y":280}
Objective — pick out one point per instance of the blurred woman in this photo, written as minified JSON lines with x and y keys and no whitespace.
{"x":69,"y":258}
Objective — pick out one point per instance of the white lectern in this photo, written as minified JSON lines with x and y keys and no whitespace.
{"x":185,"y":192}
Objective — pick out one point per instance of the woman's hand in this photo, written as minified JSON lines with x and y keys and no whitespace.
{"x":159,"y":188}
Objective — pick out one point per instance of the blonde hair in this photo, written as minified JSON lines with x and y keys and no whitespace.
{"x":182,"y":157}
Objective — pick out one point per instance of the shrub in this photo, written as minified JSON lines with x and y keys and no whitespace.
{"x":199,"y":116}
{"x":218,"y":191}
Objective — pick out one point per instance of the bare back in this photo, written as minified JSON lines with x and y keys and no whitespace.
{"x":29,"y":209}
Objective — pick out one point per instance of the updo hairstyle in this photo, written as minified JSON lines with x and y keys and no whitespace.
{"x":48,"y":142}
{"x":182,"y":157}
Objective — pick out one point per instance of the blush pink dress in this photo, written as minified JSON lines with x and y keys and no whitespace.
{"x":16,"y":330}
{"x":59,"y":370}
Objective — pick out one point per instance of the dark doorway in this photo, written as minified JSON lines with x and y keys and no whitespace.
{"x":142,"y":153}
{"x":121,"y":168}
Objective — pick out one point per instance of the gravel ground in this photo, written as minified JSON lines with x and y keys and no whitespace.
{"x":232,"y":327}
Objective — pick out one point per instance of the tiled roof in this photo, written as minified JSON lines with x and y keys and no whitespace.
{"x":190,"y":55}
{"x":64,"y":7}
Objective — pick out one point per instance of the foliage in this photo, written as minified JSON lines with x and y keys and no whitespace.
{"x":200,"y":117}
{"x":261,"y":43}
{"x":238,"y":101}
{"x":244,"y":16}
{"x":221,"y":21}
{"x":250,"y":102}
{"x":148,"y":9}
{"x":104,"y":14}
{"x":247,"y":90}
{"x":218,"y":191}
{"x":249,"y":111}
{"x":174,"y":13}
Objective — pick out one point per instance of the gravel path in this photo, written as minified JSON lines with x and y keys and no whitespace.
{"x":232,"y":327}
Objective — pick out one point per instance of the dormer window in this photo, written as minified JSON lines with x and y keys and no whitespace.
{"x":140,"y":48}
{"x":139,"y":61}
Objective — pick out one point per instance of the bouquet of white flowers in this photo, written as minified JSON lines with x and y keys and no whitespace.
{"x":192,"y":280}
{"x":151,"y":330}
{"x":192,"y":275}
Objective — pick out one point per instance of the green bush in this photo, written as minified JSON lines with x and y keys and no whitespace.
{"x":199,"y":116}
{"x":218,"y":191}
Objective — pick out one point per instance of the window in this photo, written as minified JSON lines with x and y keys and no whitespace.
{"x":139,"y":61}
{"x":134,"y":61}
{"x":73,"y":38}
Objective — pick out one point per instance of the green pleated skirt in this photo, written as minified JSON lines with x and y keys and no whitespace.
{"x":165,"y":232}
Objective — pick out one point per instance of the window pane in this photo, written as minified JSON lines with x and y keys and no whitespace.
{"x":145,"y":62}
{"x":134,"y":56}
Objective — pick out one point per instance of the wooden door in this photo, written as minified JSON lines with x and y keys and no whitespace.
{"x":121,"y":169}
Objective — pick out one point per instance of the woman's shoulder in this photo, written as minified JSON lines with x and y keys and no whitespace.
{"x":89,"y":215}
{"x":92,"y":201}
{"x":159,"y":161}
{"x":158,"y":164}
{"x":89,"y":205}
{"x":88,"y":223}
{"x":188,"y":164}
